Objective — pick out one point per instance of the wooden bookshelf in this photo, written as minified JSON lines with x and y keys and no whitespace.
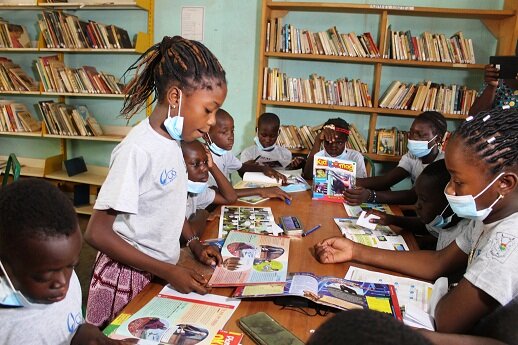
{"x":503,"y":24}
{"x":111,"y":134}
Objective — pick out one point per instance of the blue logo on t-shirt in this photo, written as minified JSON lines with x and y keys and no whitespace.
{"x":167,"y":176}
{"x":74,"y":321}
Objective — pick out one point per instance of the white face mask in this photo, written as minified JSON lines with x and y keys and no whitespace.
{"x":466,"y":207}
{"x":10,"y":297}
{"x":174,"y":125}
{"x":261,"y":147}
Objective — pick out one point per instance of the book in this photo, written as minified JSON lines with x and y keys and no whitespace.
{"x":330,"y":291}
{"x":18,"y":36}
{"x":295,"y":182}
{"x":381,"y":237}
{"x":355,"y":211}
{"x":175,"y":318}
{"x":251,"y":219}
{"x":250,"y":258}
{"x":331,"y":176}
{"x":227,"y":338}
{"x":252,"y":199}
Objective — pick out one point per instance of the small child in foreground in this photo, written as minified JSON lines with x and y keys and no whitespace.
{"x":40,"y":243}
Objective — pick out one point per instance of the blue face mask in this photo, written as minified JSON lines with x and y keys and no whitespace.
{"x":261,"y":147}
{"x":466,"y":207}
{"x":196,"y":187}
{"x":174,"y":125}
{"x":439,"y":221}
{"x":216,"y":149}
{"x":10,"y":297}
{"x":419,"y":148}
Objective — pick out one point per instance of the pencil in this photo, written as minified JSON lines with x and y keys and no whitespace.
{"x":315,"y":228}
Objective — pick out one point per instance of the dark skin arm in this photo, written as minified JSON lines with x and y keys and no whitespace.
{"x":198,"y":222}
{"x":225,"y":194}
{"x":358,"y":195}
{"x":457,"y":339}
{"x":413,"y":224}
{"x":327,"y":134}
{"x":88,"y":334}
{"x":486,"y":99}
{"x":267,"y":192}
{"x":254,"y":167}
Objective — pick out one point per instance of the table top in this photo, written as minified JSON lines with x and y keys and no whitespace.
{"x":301,"y":259}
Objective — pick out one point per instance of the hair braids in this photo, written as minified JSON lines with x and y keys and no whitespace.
{"x":436,"y":120}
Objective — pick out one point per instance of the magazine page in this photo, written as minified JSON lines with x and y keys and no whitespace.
{"x":175,"y":318}
{"x":331,"y":177}
{"x":297,"y":284}
{"x":250,"y":258}
{"x":381,"y":237}
{"x":251,"y":219}
{"x":252,"y":199}
{"x":355,"y":211}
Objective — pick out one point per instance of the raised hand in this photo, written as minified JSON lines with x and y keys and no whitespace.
{"x":491,"y":74}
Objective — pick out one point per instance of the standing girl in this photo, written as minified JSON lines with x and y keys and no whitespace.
{"x":482,"y":159}
{"x":139,"y":214}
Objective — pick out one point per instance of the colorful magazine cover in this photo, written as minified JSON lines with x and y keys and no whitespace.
{"x":331,"y":291}
{"x":355,"y":211}
{"x":381,"y":237}
{"x":250,"y":258}
{"x":242,"y":218}
{"x":331,"y":177}
{"x":175,"y":318}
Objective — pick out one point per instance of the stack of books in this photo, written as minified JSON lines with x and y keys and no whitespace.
{"x":57,"y":77}
{"x":277,"y":86}
{"x":64,"y":119}
{"x":390,"y":142}
{"x":14,"y":117}
{"x":62,"y":30}
{"x":13,"y":35}
{"x":428,"y":47}
{"x":289,"y":39}
{"x":14,"y":78}
{"x":426,"y":95}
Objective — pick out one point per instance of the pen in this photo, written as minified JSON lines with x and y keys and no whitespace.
{"x":287,"y":201}
{"x":256,"y":158}
{"x":315,"y":228}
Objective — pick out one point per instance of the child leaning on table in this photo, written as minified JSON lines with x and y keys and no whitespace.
{"x":483,"y":163}
{"x":266,"y":152}
{"x":334,"y":136}
{"x":424,"y":138}
{"x":221,"y":140}
{"x":434,"y":214}
{"x":40,"y":241}
{"x":139,"y":214}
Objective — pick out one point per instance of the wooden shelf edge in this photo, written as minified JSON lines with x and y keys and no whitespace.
{"x":85,"y":209}
{"x":88,"y":50}
{"x":129,"y":5}
{"x":87,"y":138}
{"x":23,"y":134}
{"x":71,"y":94}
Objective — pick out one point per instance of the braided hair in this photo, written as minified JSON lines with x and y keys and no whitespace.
{"x":436,"y":120}
{"x":493,"y":137}
{"x":175,"y":61}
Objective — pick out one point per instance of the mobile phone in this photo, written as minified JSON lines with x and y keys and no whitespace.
{"x":264,"y":330}
{"x":507,"y":65}
{"x":291,"y":223}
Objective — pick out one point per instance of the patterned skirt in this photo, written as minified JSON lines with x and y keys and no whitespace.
{"x":112,"y":287}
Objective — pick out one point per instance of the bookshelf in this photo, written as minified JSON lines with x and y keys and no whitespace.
{"x":502,"y":24}
{"x":51,"y":167}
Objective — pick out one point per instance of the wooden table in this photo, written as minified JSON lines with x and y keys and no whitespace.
{"x":301,"y":259}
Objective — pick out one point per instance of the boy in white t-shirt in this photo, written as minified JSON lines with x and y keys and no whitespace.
{"x":40,"y":295}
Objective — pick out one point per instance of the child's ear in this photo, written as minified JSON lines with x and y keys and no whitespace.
{"x":173,"y":96}
{"x":507,"y":183}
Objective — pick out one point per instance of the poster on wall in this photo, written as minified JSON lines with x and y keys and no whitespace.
{"x":193,"y":18}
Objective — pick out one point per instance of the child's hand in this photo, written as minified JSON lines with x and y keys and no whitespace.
{"x":384,"y":218}
{"x":88,"y":334}
{"x":186,"y":280}
{"x":213,"y":215}
{"x":275,"y":174}
{"x":491,"y":74}
{"x":328,"y":134}
{"x":274,"y":192}
{"x":210,"y":162}
{"x":208,"y":255}
{"x":334,"y":249}
{"x":356,"y":196}
{"x":295,"y":163}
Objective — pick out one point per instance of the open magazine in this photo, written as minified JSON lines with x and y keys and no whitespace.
{"x":331,"y":177}
{"x":250,"y":258}
{"x":381,"y":237}
{"x":175,"y":318}
{"x":252,"y":219}
{"x":331,"y":291}
{"x":355,"y":211}
{"x":295,"y":182}
{"x":416,"y":297}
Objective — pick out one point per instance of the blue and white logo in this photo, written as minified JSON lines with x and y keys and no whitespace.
{"x":167,"y":176}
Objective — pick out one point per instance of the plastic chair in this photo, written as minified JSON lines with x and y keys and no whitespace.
{"x":12,"y":165}
{"x":369,"y":165}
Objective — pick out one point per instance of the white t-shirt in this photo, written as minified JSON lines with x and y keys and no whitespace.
{"x":227,"y":163}
{"x":147,"y":182}
{"x":350,"y":155}
{"x":447,"y":235}
{"x":53,"y":324}
{"x":494,"y":267}
{"x":414,"y":166}
{"x":199,"y":201}
{"x":279,"y":154}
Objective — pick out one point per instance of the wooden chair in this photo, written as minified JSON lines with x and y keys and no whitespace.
{"x":369,"y":166}
{"x":12,"y":165}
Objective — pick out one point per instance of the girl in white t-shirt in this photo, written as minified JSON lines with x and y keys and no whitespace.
{"x":139,"y":214}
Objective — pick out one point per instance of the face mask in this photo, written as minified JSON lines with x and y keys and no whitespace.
{"x":196,"y":187}
{"x":261,"y":147}
{"x":174,"y":125}
{"x":216,"y":149}
{"x":419,"y":148}
{"x":10,"y":297}
{"x":439,"y":221}
{"x":465,"y":206}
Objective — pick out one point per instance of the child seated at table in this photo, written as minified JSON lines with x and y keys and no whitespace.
{"x":40,"y":241}
{"x":266,"y":152}
{"x":334,"y":136}
{"x":434,"y":214}
{"x":424,"y":139}
{"x":221,"y":140}
{"x":199,"y":196}
{"x":483,"y":163}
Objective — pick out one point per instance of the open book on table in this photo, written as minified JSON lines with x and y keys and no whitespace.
{"x":417,"y":298}
{"x":295,"y":182}
{"x":175,"y":318}
{"x":330,"y":291}
{"x":250,"y":258}
{"x":355,"y":211}
{"x":250,"y":219}
{"x":381,"y":237}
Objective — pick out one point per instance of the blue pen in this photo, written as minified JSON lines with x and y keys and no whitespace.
{"x":287,"y":201}
{"x":315,"y":228}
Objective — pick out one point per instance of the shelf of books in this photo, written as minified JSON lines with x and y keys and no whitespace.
{"x":75,"y":5}
{"x":284,"y":40}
